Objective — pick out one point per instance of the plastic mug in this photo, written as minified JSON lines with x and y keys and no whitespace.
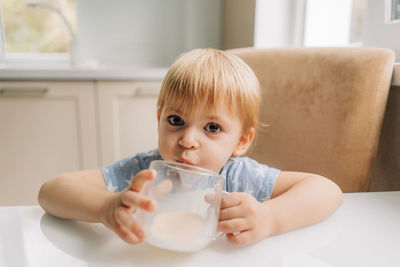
{"x":188,"y":202}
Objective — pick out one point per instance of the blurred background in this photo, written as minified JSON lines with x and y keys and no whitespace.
{"x":79,"y":79}
{"x":152,"y":33}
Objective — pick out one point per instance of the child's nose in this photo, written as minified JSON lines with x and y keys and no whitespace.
{"x":189,"y":139}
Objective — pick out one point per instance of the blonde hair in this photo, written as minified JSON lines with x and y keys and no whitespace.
{"x":209,"y":76}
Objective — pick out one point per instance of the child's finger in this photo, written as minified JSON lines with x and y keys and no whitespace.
{"x":141,"y":178}
{"x":127,"y":236}
{"x":161,"y":189}
{"x":240,"y":239}
{"x":233,"y":225}
{"x":128,"y":229}
{"x":131,"y":198}
{"x":230,"y":200}
{"x":231,"y":213}
{"x":210,"y":198}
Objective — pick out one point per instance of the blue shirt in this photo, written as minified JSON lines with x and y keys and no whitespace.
{"x":241,"y":174}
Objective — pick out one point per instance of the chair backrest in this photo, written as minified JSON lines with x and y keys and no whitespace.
{"x":324,"y":109}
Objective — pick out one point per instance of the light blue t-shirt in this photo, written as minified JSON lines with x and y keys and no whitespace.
{"x":241,"y":174}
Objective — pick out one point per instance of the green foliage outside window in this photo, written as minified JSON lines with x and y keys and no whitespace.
{"x":36,"y":29}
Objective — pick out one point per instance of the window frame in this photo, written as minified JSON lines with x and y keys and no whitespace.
{"x":2,"y":48}
{"x":389,"y":6}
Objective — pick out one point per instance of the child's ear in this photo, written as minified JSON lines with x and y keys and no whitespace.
{"x":244,"y":142}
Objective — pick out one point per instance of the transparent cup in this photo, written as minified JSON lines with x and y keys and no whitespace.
{"x":188,"y":202}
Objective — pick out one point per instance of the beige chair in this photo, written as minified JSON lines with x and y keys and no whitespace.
{"x":324,"y":109}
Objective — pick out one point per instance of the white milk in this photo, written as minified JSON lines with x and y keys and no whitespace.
{"x":179,"y":230}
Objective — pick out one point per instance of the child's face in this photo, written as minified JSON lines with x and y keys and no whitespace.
{"x":203,"y":138}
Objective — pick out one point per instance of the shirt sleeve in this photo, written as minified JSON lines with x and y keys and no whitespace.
{"x":118,"y":175}
{"x":243,"y":174}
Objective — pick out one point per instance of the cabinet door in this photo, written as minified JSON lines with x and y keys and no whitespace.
{"x":47,"y":128}
{"x":128,"y":118}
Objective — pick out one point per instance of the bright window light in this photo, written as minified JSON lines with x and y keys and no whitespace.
{"x":327,"y":22}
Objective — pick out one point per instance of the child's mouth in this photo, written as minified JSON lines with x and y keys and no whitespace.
{"x":186,"y":161}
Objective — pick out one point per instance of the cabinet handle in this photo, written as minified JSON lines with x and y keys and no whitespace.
{"x":23,"y":91}
{"x":147,"y":91}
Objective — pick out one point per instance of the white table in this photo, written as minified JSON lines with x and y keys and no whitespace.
{"x":365,"y":231}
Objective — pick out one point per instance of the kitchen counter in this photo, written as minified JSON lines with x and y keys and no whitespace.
{"x":88,"y":73}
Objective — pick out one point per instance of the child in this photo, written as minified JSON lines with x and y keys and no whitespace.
{"x":208,"y":111}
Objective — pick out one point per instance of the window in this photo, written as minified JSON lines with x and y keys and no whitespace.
{"x":395,"y":10}
{"x":334,"y":22}
{"x":310,"y":22}
{"x":37,"y":30}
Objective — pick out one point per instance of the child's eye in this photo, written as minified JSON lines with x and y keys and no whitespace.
{"x":212,"y":128}
{"x":175,"y":120}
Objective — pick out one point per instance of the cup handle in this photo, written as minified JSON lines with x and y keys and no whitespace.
{"x":218,"y":235}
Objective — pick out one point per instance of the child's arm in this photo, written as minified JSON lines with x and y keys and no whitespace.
{"x":83,"y":196}
{"x":298,"y":199}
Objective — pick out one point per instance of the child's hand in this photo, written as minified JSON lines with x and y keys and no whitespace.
{"x":241,"y":213}
{"x":118,"y":209}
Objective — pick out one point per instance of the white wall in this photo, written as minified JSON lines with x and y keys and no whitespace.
{"x":379,"y":32}
{"x":279,"y":23}
{"x":148,"y":33}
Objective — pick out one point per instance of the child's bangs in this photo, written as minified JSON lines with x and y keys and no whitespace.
{"x":191,"y":88}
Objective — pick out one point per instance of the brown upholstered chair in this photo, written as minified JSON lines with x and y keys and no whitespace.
{"x":324,"y":109}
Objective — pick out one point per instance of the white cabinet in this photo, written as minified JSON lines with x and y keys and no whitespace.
{"x":46,"y":128}
{"x":127,"y":118}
